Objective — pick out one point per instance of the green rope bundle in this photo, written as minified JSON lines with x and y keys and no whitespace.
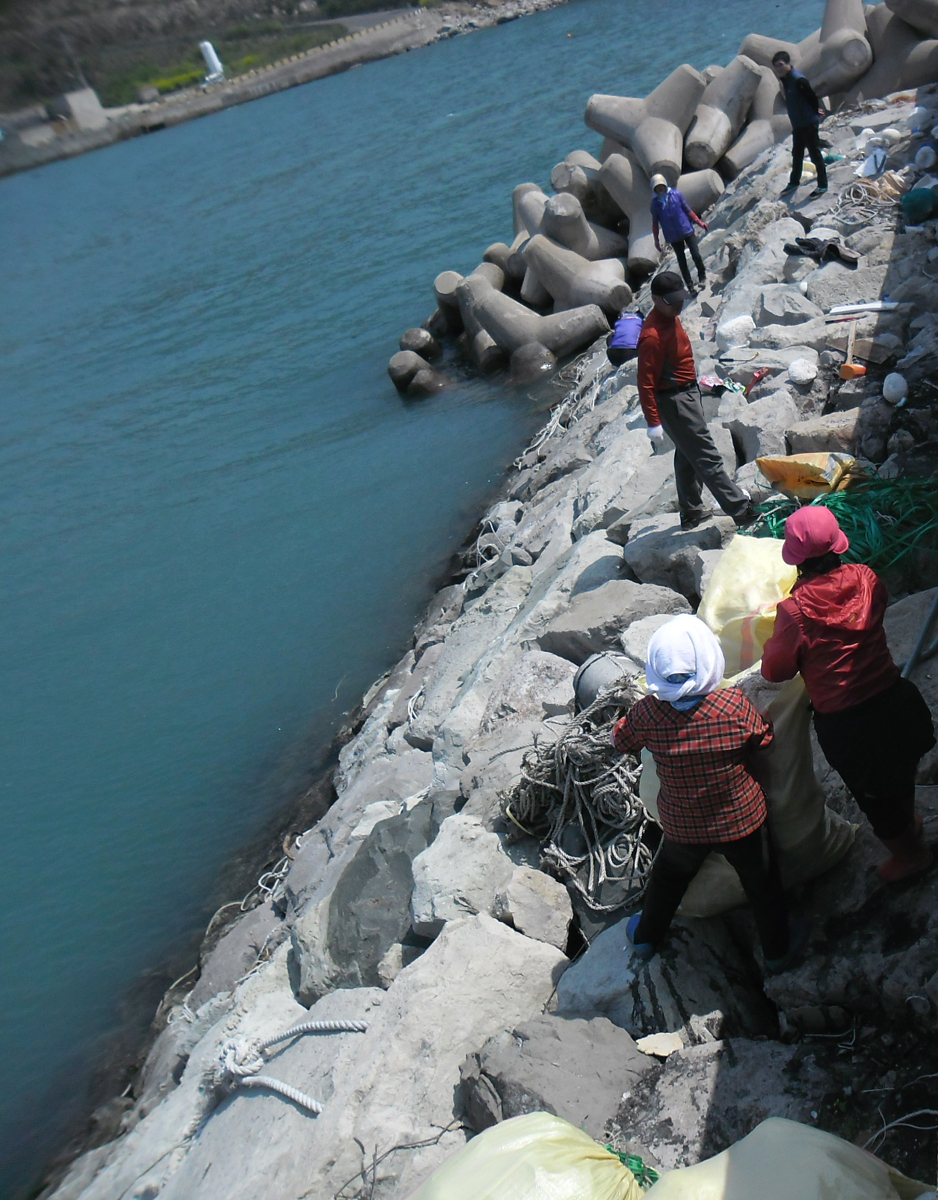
{"x":644,"y":1174}
{"x":886,"y":520}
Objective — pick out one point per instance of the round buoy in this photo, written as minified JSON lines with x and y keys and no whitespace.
{"x":895,"y":388}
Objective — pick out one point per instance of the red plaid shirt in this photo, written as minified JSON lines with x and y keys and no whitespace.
{"x":707,"y":792}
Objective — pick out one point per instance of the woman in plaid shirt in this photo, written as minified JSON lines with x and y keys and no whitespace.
{"x":703,"y":742}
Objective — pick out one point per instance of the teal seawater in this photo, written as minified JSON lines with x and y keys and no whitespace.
{"x":219,"y":522}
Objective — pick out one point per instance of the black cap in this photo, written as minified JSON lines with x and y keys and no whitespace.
{"x":670,"y":287}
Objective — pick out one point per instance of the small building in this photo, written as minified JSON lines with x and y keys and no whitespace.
{"x":82,"y":108}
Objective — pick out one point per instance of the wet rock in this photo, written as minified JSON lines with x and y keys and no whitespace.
{"x":421,"y":342}
{"x":236,"y":951}
{"x":595,"y":619}
{"x":536,"y":905}
{"x":834,"y":432}
{"x":459,"y":875}
{"x":572,"y":1068}
{"x":699,"y":982}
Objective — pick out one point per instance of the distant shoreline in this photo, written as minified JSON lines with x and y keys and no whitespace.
{"x":411,"y":30}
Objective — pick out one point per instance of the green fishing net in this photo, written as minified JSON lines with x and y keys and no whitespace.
{"x":886,"y":520}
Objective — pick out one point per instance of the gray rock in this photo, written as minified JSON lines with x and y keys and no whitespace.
{"x":834,"y":432}
{"x":872,"y":944}
{"x":536,"y":905}
{"x":540,"y":685}
{"x":812,"y":335}
{"x":459,"y":875}
{"x":494,"y":764}
{"x":655,"y":541}
{"x":698,"y":982}
{"x":602,"y":483}
{"x":596,"y":619}
{"x":635,"y":639}
{"x":648,"y":490}
{"x":363,"y":907}
{"x":834,"y":284}
{"x":761,"y":428}
{"x":903,"y":623}
{"x":236,"y":951}
{"x":784,"y":305}
{"x":702,"y":1099}
{"x":572,"y":1068}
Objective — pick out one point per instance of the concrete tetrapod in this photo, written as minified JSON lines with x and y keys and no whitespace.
{"x":833,"y":57}
{"x":480,"y":347}
{"x":922,"y":15}
{"x":768,"y":124}
{"x":413,"y":375}
{"x":629,"y":187}
{"x":526,"y":336}
{"x":626,"y":182}
{"x":527,"y":202}
{"x":573,"y":281}
{"x":901,"y":59}
{"x":578,"y":174}
{"x":721,"y":113}
{"x":653,"y":128}
{"x":565,"y":222}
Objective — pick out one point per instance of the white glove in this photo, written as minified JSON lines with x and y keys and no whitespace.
{"x":656,"y":434}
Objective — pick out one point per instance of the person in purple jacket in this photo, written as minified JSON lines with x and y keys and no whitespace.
{"x":675,"y":218}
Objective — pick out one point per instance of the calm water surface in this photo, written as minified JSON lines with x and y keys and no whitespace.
{"x":219,"y":521}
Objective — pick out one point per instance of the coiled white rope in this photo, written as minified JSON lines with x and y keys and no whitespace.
{"x":240,"y":1061}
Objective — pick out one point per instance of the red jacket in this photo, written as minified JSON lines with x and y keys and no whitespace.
{"x":831,"y":630}
{"x":665,"y":361}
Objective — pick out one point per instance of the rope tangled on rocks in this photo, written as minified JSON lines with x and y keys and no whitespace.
{"x":240,"y":1061}
{"x":580,"y":798}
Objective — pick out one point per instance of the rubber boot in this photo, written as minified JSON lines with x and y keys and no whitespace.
{"x":910,"y":856}
{"x":643,"y":950}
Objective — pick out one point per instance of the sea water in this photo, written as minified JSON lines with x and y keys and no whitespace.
{"x":219,"y":521}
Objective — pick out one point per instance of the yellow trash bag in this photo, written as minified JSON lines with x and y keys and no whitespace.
{"x":807,"y":476}
{"x":534,"y":1157}
{"x":739,"y":606}
{"x":782,"y":1160}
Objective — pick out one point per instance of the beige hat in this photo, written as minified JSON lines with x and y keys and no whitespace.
{"x":658,"y":181}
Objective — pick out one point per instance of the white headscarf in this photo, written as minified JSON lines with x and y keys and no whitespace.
{"x":684,"y":661}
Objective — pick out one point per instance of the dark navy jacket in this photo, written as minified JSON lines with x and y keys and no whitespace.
{"x":800,"y":100}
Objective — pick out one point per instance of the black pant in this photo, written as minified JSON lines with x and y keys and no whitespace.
{"x":697,"y":461}
{"x":752,"y":858}
{"x":803,"y":139}
{"x":875,"y":748}
{"x":618,"y":355}
{"x":689,"y":243}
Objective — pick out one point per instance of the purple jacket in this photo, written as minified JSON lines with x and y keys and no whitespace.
{"x":672,"y":213}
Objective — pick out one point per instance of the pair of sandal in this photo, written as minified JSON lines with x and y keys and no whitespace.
{"x":823,"y":250}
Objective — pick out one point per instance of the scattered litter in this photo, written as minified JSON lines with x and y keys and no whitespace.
{"x":921,"y":204}
{"x":871,"y":307}
{"x":873,"y":165}
{"x":807,"y":476}
{"x":660,"y":1044}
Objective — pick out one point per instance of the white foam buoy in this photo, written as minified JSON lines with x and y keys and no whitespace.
{"x":802,"y":370}
{"x":895,"y":388}
{"x":926,"y":158}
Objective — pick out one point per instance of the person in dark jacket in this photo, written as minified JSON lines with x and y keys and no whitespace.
{"x":704,"y":740}
{"x":674,"y":217}
{"x":670,"y":400}
{"x":805,"y":113}
{"x":872,"y":725}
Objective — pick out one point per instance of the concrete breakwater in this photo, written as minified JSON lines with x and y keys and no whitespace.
{"x":409,"y":909}
{"x":31,"y":142}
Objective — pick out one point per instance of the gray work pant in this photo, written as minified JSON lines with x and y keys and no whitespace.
{"x":697,"y":461}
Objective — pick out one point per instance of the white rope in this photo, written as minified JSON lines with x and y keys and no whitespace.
{"x":239,"y":1061}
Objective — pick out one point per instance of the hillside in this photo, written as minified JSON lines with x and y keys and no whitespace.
{"x":50,"y":46}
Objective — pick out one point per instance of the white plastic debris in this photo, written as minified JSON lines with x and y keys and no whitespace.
{"x":803,"y":287}
{"x":735,"y":332}
{"x":864,"y":136}
{"x":890,"y":136}
{"x":895,"y":388}
{"x":926,"y":158}
{"x":802,"y":370}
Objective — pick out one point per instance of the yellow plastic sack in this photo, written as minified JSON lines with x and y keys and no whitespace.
{"x":534,"y":1157}
{"x":739,"y":606}
{"x":782,"y":1160}
{"x":806,"y":476}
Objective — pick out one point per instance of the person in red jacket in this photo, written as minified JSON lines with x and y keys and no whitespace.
{"x":703,"y":741}
{"x":872,"y":725}
{"x":670,"y":400}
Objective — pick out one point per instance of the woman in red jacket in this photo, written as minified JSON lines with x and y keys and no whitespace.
{"x":872,"y":725}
